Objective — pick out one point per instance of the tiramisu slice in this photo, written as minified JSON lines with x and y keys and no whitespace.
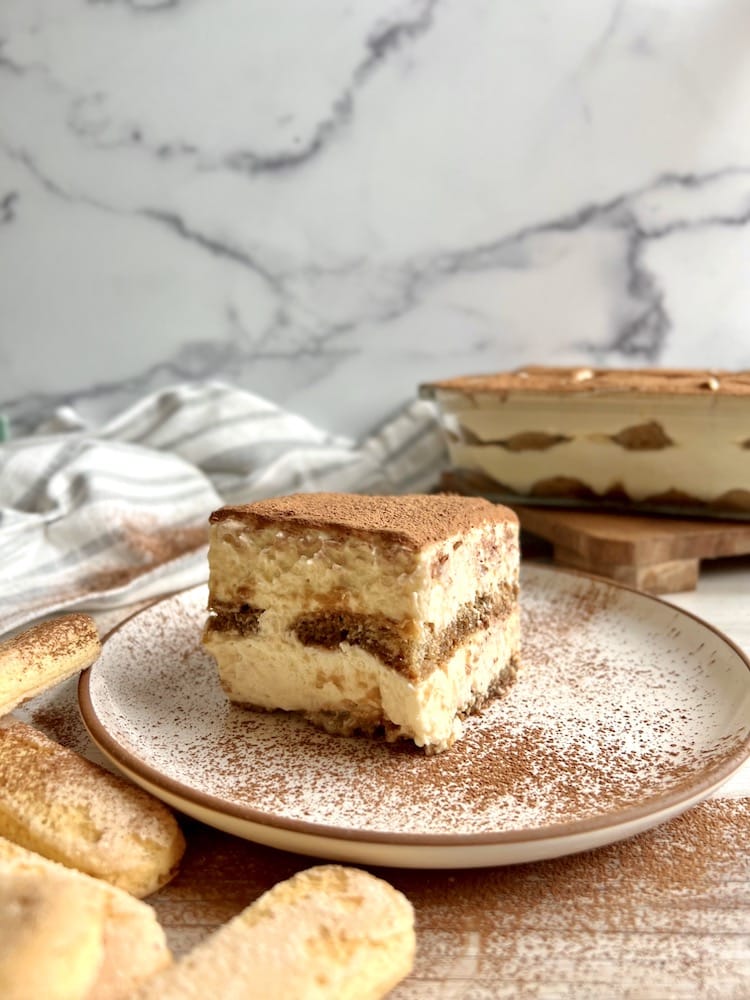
{"x":366,"y":613}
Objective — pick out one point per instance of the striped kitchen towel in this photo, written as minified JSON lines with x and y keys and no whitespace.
{"x":101,"y":517}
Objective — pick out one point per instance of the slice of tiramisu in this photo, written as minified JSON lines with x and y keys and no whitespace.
{"x":366,"y":613}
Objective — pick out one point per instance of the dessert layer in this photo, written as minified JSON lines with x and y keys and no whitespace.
{"x":392,"y":642}
{"x":412,"y":521}
{"x":534,"y":422}
{"x":283,"y":573}
{"x":591,"y":381}
{"x":640,"y":476}
{"x":352,"y":690}
{"x":243,"y":619}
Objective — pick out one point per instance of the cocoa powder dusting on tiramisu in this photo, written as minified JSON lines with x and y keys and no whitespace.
{"x":541,"y":379}
{"x":414,"y":521}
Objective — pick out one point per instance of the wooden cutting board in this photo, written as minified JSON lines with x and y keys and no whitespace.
{"x":657,"y":554}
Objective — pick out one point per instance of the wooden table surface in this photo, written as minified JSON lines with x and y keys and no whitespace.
{"x":664,"y":915}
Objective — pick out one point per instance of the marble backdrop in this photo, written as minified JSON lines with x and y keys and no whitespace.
{"x":327,"y":202}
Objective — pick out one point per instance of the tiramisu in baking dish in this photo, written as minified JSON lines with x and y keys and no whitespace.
{"x":656,"y":437}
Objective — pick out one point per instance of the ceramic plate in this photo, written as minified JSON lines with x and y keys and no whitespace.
{"x":626,"y":712}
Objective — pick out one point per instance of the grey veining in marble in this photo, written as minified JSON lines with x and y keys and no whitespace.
{"x":328,"y":203}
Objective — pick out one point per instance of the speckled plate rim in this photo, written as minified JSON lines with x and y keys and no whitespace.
{"x":414,"y":850}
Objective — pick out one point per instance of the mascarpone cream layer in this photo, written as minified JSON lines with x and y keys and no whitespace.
{"x":276,"y":671}
{"x":286,"y":573}
{"x":640,"y":474}
{"x":687,"y":419}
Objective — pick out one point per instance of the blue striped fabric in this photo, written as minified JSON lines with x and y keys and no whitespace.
{"x":100,"y":517}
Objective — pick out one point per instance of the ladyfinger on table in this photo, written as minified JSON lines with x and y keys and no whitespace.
{"x":64,"y":807}
{"x":329,"y":932}
{"x":67,"y":936}
{"x":50,"y":938}
{"x":43,"y":655}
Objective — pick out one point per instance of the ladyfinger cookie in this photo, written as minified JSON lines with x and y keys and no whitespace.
{"x":43,"y":655}
{"x":50,"y":938}
{"x":64,"y":807}
{"x":329,"y":932}
{"x":67,"y":936}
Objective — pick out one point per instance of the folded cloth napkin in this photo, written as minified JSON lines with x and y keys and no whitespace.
{"x":100,"y":517}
